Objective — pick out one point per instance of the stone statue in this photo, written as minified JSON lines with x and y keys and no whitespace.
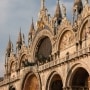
{"x":64,"y":10}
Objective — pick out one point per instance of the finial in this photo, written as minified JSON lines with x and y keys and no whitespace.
{"x":42,"y":4}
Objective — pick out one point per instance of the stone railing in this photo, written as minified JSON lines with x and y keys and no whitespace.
{"x":18,"y":76}
{"x":58,"y":61}
{"x":9,"y":80}
{"x":52,"y":63}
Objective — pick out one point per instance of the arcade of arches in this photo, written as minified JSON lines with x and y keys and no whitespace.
{"x":78,"y":80}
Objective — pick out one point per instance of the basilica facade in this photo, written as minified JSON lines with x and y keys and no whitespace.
{"x":57,"y":56}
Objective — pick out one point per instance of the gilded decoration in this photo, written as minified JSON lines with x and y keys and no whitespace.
{"x":67,"y":40}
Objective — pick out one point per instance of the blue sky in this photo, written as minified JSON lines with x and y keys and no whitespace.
{"x":18,"y":13}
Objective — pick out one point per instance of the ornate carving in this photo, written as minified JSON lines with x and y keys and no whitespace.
{"x":86,"y":11}
{"x":13,"y":66}
{"x":67,"y":40}
{"x":65,"y":23}
{"x":24,"y":59}
{"x":40,"y":25}
{"x":83,"y":15}
{"x":85,"y":32}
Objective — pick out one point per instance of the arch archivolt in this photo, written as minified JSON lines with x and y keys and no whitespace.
{"x":42,"y":34}
{"x":22,"y":58}
{"x":12,"y":66}
{"x":66,"y":37}
{"x":31,"y":79}
{"x":11,"y":60}
{"x":83,"y":27}
{"x":73,"y":69}
{"x":50,"y":77}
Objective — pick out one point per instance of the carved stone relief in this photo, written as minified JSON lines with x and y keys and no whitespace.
{"x":67,"y":40}
{"x":85,"y":31}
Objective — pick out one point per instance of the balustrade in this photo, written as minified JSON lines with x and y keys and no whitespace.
{"x":56,"y":61}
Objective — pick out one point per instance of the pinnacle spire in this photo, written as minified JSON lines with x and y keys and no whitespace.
{"x":78,"y":6}
{"x":19,"y":37}
{"x":31,"y":27}
{"x":9,"y":47}
{"x":42,"y":4}
{"x":9,"y":44}
{"x":19,"y":41}
{"x":58,"y":11}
